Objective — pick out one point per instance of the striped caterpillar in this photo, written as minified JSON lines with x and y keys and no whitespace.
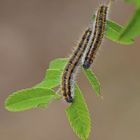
{"x":72,"y":67}
{"x":84,"y":53}
{"x":97,"y":38}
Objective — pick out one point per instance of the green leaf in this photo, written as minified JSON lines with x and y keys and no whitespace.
{"x":78,"y":116}
{"x":136,"y":2}
{"x":58,"y":63}
{"x":113,"y":31}
{"x":53,"y":74}
{"x":29,"y":98}
{"x":52,"y":79}
{"x":93,"y":81}
{"x":132,"y":30}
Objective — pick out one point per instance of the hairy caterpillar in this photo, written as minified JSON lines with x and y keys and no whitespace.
{"x":84,"y":53}
{"x":99,"y":31}
{"x":69,"y":73}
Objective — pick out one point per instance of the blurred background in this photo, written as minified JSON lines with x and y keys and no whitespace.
{"x":32,"y":33}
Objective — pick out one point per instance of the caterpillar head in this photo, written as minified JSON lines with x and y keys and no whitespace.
{"x":69,"y":99}
{"x":86,"y":65}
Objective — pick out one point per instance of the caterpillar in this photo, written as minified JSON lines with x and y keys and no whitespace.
{"x":97,"y":38}
{"x":72,"y":67}
{"x":84,"y":53}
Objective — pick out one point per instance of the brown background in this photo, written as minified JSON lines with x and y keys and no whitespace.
{"x":33,"y":32}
